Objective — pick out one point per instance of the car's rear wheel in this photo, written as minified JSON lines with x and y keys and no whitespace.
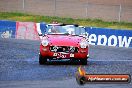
{"x":42,"y":60}
{"x":83,"y":61}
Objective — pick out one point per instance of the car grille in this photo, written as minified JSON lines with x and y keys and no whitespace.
{"x":67,"y":49}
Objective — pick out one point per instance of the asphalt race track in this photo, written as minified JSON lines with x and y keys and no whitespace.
{"x":19,"y":66}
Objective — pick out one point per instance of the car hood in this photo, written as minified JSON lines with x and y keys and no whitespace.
{"x":64,"y":40}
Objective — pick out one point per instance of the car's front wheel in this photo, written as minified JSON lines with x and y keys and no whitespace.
{"x":83,"y":61}
{"x":42,"y":60}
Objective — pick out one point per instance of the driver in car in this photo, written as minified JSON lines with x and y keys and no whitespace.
{"x":54,"y":30}
{"x":71,"y":31}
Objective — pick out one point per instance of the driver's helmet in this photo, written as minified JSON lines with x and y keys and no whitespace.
{"x":70,"y":29}
{"x":54,"y":29}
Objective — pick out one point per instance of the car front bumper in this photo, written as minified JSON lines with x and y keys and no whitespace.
{"x":81,"y":54}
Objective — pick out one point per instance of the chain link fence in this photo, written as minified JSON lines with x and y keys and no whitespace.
{"x":69,"y":8}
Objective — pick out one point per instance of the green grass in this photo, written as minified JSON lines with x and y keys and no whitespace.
{"x":15,"y":16}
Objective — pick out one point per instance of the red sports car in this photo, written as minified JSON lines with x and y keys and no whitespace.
{"x":64,"y":41}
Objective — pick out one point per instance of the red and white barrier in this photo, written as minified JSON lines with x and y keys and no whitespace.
{"x":27,"y":30}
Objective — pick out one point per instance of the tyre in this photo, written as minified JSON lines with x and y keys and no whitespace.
{"x":42,"y":60}
{"x":81,"y":81}
{"x":83,"y":61}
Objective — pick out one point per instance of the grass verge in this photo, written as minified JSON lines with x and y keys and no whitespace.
{"x":15,"y":16}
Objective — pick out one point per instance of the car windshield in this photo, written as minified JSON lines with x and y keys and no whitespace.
{"x":67,"y":29}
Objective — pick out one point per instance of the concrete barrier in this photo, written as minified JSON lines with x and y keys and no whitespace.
{"x":7,"y":29}
{"x":97,"y":36}
{"x":18,"y":30}
{"x":109,"y":37}
{"x":26,"y":30}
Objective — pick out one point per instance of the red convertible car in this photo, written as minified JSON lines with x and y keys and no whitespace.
{"x":64,"y":41}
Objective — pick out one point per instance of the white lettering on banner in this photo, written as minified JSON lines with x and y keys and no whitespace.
{"x":92,"y":39}
{"x":123,"y":41}
{"x":110,"y":39}
{"x":6,"y":34}
{"x":102,"y":37}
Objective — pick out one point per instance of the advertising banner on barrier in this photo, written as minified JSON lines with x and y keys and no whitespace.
{"x":109,"y":37}
{"x":26,"y":30}
{"x":7,"y":29}
{"x":97,"y":36}
{"x":41,"y":28}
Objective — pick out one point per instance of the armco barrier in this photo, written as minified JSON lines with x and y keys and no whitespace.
{"x":7,"y":29}
{"x":109,"y":37}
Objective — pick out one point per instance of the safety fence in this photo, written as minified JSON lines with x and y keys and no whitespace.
{"x":117,"y":10}
{"x":97,"y":36}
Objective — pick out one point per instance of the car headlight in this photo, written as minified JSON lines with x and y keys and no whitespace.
{"x":83,"y":44}
{"x":45,"y":42}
